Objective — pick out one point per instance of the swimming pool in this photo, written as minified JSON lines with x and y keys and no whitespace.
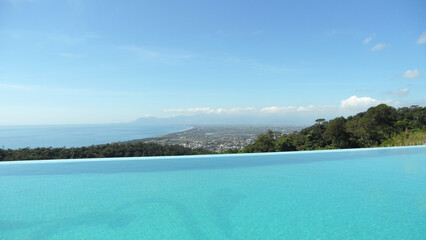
{"x":339,"y":194}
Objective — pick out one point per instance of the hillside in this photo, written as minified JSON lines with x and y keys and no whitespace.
{"x":382,"y":125}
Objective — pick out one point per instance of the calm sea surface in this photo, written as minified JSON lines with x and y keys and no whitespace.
{"x":78,"y":135}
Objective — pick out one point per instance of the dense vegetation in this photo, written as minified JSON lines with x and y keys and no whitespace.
{"x":99,"y":151}
{"x":379,"y":126}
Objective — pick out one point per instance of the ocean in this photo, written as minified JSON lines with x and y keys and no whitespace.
{"x":15,"y":137}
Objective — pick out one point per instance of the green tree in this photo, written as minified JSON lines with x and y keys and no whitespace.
{"x":263,"y":143}
{"x":285,"y":144}
{"x":336,"y":133}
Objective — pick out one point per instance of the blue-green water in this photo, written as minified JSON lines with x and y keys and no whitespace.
{"x":78,"y":135}
{"x":351,"y":194}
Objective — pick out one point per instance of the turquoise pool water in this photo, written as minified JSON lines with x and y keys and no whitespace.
{"x":349,"y":194}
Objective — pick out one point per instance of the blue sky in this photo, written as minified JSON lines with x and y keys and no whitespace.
{"x":64,"y":62}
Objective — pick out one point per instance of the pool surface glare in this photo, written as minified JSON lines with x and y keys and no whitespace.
{"x":375,"y":193}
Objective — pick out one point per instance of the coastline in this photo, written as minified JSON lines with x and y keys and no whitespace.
{"x":155,"y":137}
{"x":217,"y":138}
{"x":73,"y":136}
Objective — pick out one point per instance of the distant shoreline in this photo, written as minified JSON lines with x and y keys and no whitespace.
{"x":164,"y":135}
{"x":71,"y":136}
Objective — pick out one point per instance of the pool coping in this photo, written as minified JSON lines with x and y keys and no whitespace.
{"x":149,"y":158}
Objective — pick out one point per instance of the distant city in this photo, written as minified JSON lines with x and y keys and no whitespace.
{"x":218,"y":138}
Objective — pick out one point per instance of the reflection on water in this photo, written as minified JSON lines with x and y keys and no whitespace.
{"x":222,"y":203}
{"x":220,"y":207}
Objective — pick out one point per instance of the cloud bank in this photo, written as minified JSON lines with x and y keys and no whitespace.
{"x":275,"y":114}
{"x":411,"y":74}
{"x":400,"y":92}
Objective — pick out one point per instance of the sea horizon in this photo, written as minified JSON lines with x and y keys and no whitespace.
{"x":80,"y":135}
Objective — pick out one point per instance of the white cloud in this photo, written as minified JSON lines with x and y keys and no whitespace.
{"x":422,"y":38}
{"x":280,"y":114}
{"x":275,"y":109}
{"x":357,"y":102}
{"x":191,"y":110}
{"x":378,"y":47}
{"x":368,"y":39}
{"x":207,"y":110}
{"x":350,"y":103}
{"x":238,"y":110}
{"x":411,"y":74}
{"x":400,"y":92}
{"x":308,"y":108}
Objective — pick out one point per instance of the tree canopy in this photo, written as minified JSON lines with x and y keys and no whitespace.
{"x":99,"y":151}
{"x":373,"y":127}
